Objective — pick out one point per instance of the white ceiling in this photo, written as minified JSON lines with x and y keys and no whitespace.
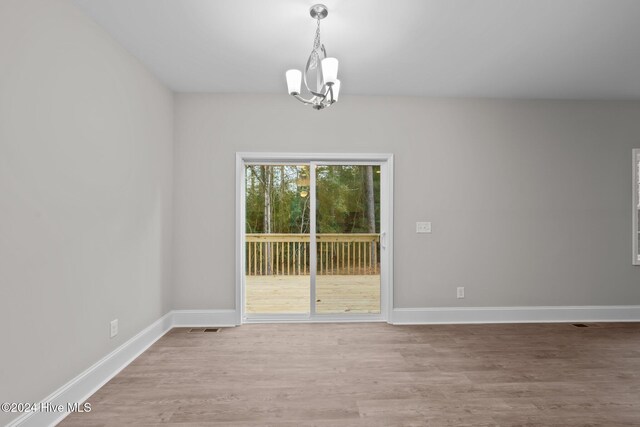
{"x":572,"y":49}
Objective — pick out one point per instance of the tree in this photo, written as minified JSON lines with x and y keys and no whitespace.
{"x":277,"y":199}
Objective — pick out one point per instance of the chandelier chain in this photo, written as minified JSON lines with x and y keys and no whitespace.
{"x":316,"y":41}
{"x":315,"y":53}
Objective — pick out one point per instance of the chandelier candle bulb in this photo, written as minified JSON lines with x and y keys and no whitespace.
{"x":336,"y":90}
{"x":294,"y":81}
{"x":329,"y":70}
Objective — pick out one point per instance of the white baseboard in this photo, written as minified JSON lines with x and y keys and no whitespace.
{"x":84,"y":385}
{"x":550,"y":314}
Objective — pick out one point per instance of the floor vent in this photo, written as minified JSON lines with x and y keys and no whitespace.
{"x":212,"y":330}
{"x":580,"y":325}
{"x":204,"y":330}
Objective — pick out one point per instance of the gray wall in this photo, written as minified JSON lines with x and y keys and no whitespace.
{"x":530,"y":200}
{"x":85,"y":196}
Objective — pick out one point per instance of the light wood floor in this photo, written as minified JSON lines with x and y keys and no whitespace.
{"x":374,"y":374}
{"x":335,"y":294}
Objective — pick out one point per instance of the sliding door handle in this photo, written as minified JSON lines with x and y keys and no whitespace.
{"x":383,"y":240}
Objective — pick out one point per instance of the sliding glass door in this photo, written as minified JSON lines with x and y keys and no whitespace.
{"x":347,"y":238}
{"x":277,"y":239}
{"x":312,"y":240}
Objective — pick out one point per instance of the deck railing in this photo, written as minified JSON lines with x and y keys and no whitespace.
{"x":288,"y":254}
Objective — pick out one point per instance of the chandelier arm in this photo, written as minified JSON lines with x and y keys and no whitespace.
{"x":317,"y":102}
{"x":305,"y":101}
{"x":306,"y":71}
{"x":304,"y":76}
{"x":330,"y":91}
{"x":324,"y":96}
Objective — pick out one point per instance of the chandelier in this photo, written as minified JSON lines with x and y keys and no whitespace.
{"x":319,"y":68}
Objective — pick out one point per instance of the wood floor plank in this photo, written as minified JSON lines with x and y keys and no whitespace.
{"x":374,"y":374}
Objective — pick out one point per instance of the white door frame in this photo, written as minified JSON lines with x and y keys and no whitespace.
{"x":385,"y":161}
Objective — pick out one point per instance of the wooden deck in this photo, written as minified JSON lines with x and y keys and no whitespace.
{"x":335,"y":294}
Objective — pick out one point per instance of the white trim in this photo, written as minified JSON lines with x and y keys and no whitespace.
{"x":88,"y":382}
{"x":635,"y":228}
{"x":240,"y":209}
{"x":542,"y":314}
{"x":319,"y":318}
{"x":385,"y":160}
{"x":313,"y":238}
{"x":293,"y":158}
{"x":200,"y":318}
{"x":386,"y":254}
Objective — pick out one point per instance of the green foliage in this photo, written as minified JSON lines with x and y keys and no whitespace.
{"x":341,"y":199}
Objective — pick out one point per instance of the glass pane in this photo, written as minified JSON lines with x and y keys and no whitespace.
{"x":277,"y":239}
{"x":348,"y":239}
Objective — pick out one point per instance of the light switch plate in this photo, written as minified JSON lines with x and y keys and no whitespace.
{"x":423,"y":227}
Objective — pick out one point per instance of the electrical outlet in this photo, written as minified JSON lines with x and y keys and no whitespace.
{"x":460,"y":292}
{"x":114,"y":327}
